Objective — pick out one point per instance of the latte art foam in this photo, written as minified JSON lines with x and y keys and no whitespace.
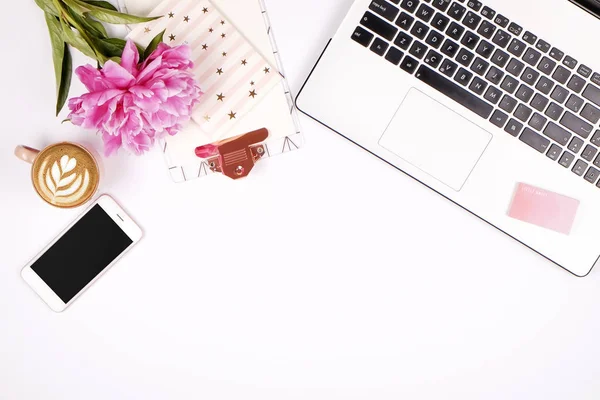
{"x":65,"y":175}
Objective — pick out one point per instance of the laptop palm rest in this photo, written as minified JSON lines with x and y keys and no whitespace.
{"x":435,"y":139}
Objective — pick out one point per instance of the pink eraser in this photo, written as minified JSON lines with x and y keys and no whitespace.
{"x":543,"y":208}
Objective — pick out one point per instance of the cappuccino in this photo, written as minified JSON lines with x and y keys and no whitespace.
{"x":65,"y":175}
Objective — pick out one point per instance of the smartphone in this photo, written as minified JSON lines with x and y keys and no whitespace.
{"x":81,"y":254}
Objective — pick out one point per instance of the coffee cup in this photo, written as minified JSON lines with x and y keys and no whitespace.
{"x":65,"y":175}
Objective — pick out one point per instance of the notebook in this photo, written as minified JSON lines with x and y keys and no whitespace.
{"x":238,"y":68}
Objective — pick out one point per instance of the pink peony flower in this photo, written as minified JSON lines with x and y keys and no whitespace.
{"x":132,"y":105}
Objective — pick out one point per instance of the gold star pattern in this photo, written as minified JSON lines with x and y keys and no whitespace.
{"x":204,"y":46}
{"x":222,"y":22}
{"x":223,"y":35}
{"x":244,"y":62}
{"x":220,"y":97}
{"x":172,"y":37}
{"x":186,"y":19}
{"x":267,"y":70}
{"x":171,"y":15}
{"x":205,"y":10}
{"x":219,"y":71}
{"x":211,"y":30}
{"x":253,"y":94}
{"x":207,"y":118}
{"x":224,"y":54}
{"x":147,"y":30}
{"x":252,"y":83}
{"x":232,"y":115}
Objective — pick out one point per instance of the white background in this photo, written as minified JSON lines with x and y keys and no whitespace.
{"x":324,"y":275}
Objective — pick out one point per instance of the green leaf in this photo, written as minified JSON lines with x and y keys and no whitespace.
{"x":75,"y":39}
{"x":63,"y":65}
{"x":112,"y":47}
{"x":158,"y":39}
{"x":93,"y":27}
{"x":102,"y":4}
{"x":106,"y":15}
{"x":48,"y":7}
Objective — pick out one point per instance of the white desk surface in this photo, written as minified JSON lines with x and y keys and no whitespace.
{"x":352,"y":283}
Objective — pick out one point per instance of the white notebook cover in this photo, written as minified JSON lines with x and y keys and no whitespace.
{"x":276,"y":112}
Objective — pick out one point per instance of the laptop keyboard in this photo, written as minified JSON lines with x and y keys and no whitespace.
{"x":498,"y":70}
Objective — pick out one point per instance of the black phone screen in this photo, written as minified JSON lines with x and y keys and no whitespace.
{"x":592,"y":6}
{"x":91,"y":245}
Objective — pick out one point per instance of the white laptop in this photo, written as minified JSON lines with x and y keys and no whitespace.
{"x":494,"y":105}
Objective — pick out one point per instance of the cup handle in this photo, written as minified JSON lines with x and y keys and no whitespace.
{"x":26,"y":154}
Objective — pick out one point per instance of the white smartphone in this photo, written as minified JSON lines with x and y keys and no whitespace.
{"x":81,"y":254}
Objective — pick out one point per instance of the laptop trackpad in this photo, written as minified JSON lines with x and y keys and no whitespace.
{"x":435,"y":139}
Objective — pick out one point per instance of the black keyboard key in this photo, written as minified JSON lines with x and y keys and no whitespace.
{"x":532,"y":56}
{"x":543,"y":46}
{"x":530,"y":76}
{"x":488,"y":12}
{"x":463,"y":76}
{"x":425,"y":12}
{"x":434,"y":39}
{"x":457,"y":11}
{"x":554,"y":111}
{"x":405,"y":21}
{"x":522,"y":113}
{"x":515,"y":67}
{"x":384,"y":9}
{"x":403,"y":40}
{"x":546,"y":65}
{"x":465,"y":57}
{"x":558,"y":134}
{"x":485,"y":49}
{"x":596,"y":138}
{"x":508,"y":104}
{"x":478,"y":86}
{"x":419,"y":30}
{"x":500,"y":58}
{"x":501,"y":38}
{"x":440,"y":21}
{"x":591,"y":175}
{"x":486,"y":29}
{"x":559,"y":94}
{"x":362,"y":36}
{"x":479,"y":66}
{"x":576,"y":124}
{"x":513,"y":127}
{"x":589,"y":152}
{"x":455,"y":31}
{"x":410,"y":5}
{"x":441,"y":5}
{"x":537,"y":121}
{"x":576,"y":84}
{"x":493,"y":94}
{"x":579,"y":167}
{"x":575,"y":103}
{"x":591,"y":113}
{"x":510,"y":84}
{"x":449,"y":48}
{"x":554,"y":152}
{"x":556,"y":54}
{"x":530,"y":38}
{"x":592,"y":93}
{"x":379,"y":26}
{"x":379,"y":46}
{"x":539,"y":102}
{"x":516,"y":48}
{"x":474,"y":4}
{"x":394,"y":55}
{"x":515,"y":29}
{"x":561,"y":75}
{"x":596,"y":78}
{"x":501,"y":20}
{"x":534,"y":140}
{"x":499,"y":118}
{"x":567,"y":159}
{"x":597,"y":162}
{"x":575,"y":145}
{"x":544,"y":85}
{"x":418,"y":49}
{"x":494,"y":75}
{"x":409,"y":64}
{"x":584,"y":71}
{"x":433,"y":58}
{"x":470,"y":40}
{"x":454,"y":91}
{"x":524,"y":93}
{"x":570,"y":62}
{"x":471,"y":20}
{"x":448,"y":68}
